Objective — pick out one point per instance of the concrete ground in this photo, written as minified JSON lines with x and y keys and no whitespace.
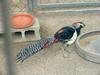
{"x":53,"y":62}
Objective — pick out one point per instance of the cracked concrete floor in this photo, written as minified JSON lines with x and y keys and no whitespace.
{"x":53,"y":62}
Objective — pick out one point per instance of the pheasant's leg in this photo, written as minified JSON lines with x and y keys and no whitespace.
{"x":65,"y":50}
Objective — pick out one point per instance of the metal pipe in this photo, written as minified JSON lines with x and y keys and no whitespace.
{"x":35,"y":3}
{"x":74,"y":11}
{"x":69,"y":4}
{"x":32,"y":4}
{"x":7,"y":37}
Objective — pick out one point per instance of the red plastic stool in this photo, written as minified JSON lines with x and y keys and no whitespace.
{"x":21,"y":21}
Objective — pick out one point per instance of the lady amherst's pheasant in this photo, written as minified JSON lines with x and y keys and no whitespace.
{"x":66,"y":35}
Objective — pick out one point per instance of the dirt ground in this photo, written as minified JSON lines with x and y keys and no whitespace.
{"x":53,"y":62}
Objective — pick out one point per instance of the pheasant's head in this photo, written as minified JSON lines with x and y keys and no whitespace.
{"x":78,"y":25}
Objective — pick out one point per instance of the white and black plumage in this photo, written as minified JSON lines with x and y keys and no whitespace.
{"x":69,"y":34}
{"x":66,"y":35}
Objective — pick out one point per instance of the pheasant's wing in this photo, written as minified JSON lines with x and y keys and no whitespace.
{"x":64,"y":34}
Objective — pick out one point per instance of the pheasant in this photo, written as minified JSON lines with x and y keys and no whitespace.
{"x":66,"y":35}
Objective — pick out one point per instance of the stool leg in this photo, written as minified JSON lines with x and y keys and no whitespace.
{"x":37,"y":34}
{"x":23,"y":35}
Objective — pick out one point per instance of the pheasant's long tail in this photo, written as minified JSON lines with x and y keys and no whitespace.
{"x":34,"y":48}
